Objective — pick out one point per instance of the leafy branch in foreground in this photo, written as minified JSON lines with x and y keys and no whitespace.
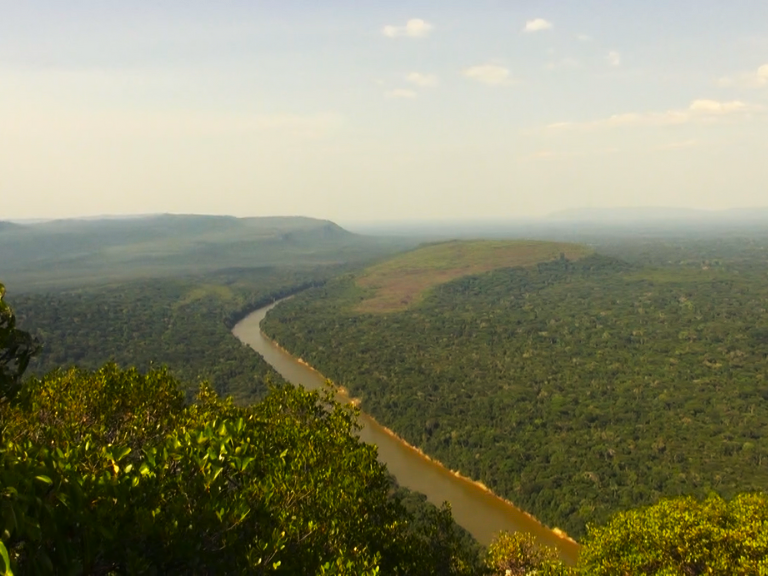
{"x":109,"y":471}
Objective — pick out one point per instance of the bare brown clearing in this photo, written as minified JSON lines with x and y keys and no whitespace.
{"x":403,"y":280}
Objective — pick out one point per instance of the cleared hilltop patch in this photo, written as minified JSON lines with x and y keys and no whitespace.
{"x":402,"y":280}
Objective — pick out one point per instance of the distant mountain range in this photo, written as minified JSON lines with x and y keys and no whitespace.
{"x":645,"y":214}
{"x":7,"y":226}
{"x":72,"y":252}
{"x":584,"y":224}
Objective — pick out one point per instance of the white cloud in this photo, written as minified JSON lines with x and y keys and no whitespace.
{"x":614,"y":58}
{"x":423,"y":80}
{"x":401,"y":93}
{"x":754,"y":79}
{"x":491,"y":74}
{"x":562,"y":125}
{"x":698,"y":111}
{"x":414,"y":28}
{"x":537,"y":25}
{"x":584,"y":38}
{"x":715,"y":107}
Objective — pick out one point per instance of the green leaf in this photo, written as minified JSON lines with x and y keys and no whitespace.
{"x":122,"y":453}
{"x":6,"y":566}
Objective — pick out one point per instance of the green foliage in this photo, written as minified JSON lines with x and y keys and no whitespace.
{"x":182,"y":323}
{"x":402,"y":280}
{"x":110,"y":472}
{"x":450,"y":549}
{"x":6,"y":562}
{"x":16,"y":350}
{"x":518,"y":554}
{"x":575,"y":389}
{"x":682,"y":536}
{"x":456,"y":551}
{"x":675,"y":537}
{"x":738,"y":252}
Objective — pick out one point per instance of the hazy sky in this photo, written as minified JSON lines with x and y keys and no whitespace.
{"x":360,"y":110}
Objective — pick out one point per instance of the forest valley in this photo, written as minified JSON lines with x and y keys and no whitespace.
{"x":617,"y":392}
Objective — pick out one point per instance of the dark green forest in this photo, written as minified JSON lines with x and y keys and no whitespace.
{"x":167,"y":289}
{"x":575,"y":389}
{"x":581,"y":390}
{"x":112,"y":472}
{"x":182,"y":323}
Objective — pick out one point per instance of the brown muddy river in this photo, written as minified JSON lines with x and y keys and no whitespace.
{"x":481,"y":512}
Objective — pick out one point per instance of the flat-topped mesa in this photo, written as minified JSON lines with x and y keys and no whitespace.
{"x":403,"y":280}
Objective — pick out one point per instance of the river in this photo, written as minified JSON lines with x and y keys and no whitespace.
{"x":475,"y":508}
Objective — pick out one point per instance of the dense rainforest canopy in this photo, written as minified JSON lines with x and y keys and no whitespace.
{"x":575,"y":389}
{"x":111,"y":472}
{"x":182,"y":323}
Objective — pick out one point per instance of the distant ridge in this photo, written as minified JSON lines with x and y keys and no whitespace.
{"x":7,"y":226}
{"x":75,"y":251}
{"x":191,"y":227}
{"x":651,"y":214}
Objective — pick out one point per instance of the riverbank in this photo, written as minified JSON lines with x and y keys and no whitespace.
{"x":344,"y":395}
{"x":482,"y":512}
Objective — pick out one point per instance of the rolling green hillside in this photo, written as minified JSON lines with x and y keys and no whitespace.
{"x":575,"y":389}
{"x":68,"y":253}
{"x":404,"y":279}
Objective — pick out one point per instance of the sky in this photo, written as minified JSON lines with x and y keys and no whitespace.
{"x":367,"y":111}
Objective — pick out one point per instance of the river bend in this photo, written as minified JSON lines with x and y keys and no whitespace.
{"x":475,"y":508}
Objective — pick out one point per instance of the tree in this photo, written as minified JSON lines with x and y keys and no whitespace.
{"x":682,"y":536}
{"x":109,"y":472}
{"x":16,"y":350}
{"x":518,"y":554}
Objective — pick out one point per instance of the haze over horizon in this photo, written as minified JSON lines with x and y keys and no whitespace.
{"x":361,"y":111}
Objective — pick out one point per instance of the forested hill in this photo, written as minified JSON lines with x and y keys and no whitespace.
{"x":573,"y":388}
{"x":404,"y":279}
{"x":5,"y":226}
{"x":73,"y":252}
